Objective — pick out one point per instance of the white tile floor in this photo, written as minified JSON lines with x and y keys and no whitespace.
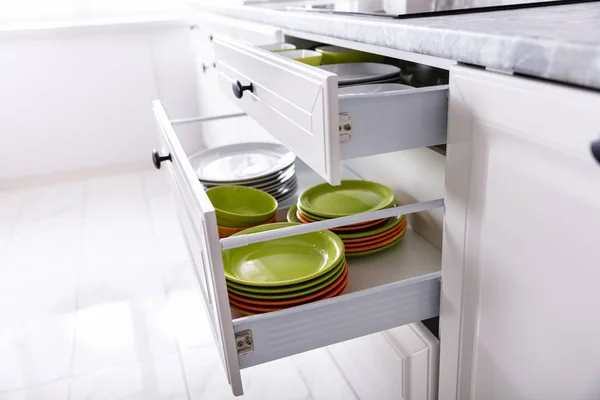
{"x":97,"y":301}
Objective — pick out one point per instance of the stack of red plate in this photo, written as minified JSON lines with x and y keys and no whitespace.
{"x":323,"y":202}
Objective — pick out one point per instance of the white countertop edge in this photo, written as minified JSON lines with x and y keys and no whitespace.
{"x":94,"y":24}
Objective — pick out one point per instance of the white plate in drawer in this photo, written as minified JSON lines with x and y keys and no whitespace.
{"x":301,"y":106}
{"x":354,"y":73}
{"x":241,"y":162}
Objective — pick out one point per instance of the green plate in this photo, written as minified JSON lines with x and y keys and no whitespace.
{"x":288,"y":288}
{"x":311,"y":216}
{"x":283,"y":261}
{"x":390,"y":224}
{"x":302,"y":290}
{"x":365,"y":253}
{"x":349,"y":198}
{"x":291,"y":214}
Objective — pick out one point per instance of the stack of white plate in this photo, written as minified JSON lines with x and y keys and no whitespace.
{"x":361,"y":73}
{"x":265,"y":166}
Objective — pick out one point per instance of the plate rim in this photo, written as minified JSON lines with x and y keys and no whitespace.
{"x":337,"y":242}
{"x":389,"y":201}
{"x":243,"y":146}
{"x":303,"y":286}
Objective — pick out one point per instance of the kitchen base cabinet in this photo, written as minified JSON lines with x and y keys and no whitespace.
{"x":390,"y":289}
{"x":521,"y":245}
{"x":520,"y":240}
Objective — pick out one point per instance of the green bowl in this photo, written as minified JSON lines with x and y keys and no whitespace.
{"x":241,"y":206}
{"x":309,"y":57}
{"x":342,"y":55}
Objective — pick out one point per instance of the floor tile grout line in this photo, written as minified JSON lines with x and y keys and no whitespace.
{"x":185,"y":382}
{"x":303,"y":378}
{"x":141,"y":338}
{"x":84,"y":198}
{"x":337,"y":365}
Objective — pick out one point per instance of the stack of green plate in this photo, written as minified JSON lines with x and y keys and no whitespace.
{"x":286,"y":272}
{"x":352,"y":197}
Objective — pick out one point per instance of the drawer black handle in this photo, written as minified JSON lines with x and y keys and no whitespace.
{"x":157,"y":159}
{"x":238,"y":89}
{"x":596,"y":149}
{"x":207,"y":67}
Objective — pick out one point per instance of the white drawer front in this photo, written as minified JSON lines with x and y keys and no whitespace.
{"x":395,"y":287}
{"x":295,"y":102}
{"x":244,"y":31}
{"x":198,"y":221}
{"x":302,"y":107}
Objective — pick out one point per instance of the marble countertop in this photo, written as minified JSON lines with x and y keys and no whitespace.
{"x":560,"y":43}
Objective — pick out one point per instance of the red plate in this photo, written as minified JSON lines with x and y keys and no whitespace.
{"x":252,"y":309}
{"x":304,"y":219}
{"x":373,"y":246}
{"x":375,"y":238}
{"x":248,"y":301}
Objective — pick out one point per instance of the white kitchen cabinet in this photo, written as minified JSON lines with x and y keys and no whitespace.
{"x":521,"y":246}
{"x":390,"y":289}
{"x":301,"y":107}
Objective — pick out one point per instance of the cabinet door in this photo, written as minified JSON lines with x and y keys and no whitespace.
{"x":521,"y":253}
{"x":199,"y":225}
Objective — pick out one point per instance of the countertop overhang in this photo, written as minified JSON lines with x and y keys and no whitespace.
{"x":559,"y":43}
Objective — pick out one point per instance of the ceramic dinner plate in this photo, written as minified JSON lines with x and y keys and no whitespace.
{"x":385,"y":227}
{"x":349,"y":198}
{"x":285,"y":192}
{"x":372,"y":89}
{"x":283,"y":261}
{"x":281,"y":187}
{"x":290,"y":291}
{"x":354,"y":227}
{"x":354,"y":73}
{"x":241,"y":162}
{"x":358,"y":248}
{"x":375,"y":238}
{"x":249,"y":310}
{"x":332,"y":286}
{"x":394,"y":79}
{"x":277,"y":177}
{"x":377,"y":250}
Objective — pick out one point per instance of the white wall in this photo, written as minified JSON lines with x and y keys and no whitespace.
{"x":80,"y":98}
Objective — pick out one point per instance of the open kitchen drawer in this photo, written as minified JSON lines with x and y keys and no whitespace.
{"x":393,"y":288}
{"x":300,"y":106}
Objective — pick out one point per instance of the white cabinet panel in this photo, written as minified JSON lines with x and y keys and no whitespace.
{"x":521,"y":256}
{"x":295,"y":102}
{"x":199,"y":225}
{"x":210,"y":98}
{"x":300,"y":105}
{"x":397,"y":364}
